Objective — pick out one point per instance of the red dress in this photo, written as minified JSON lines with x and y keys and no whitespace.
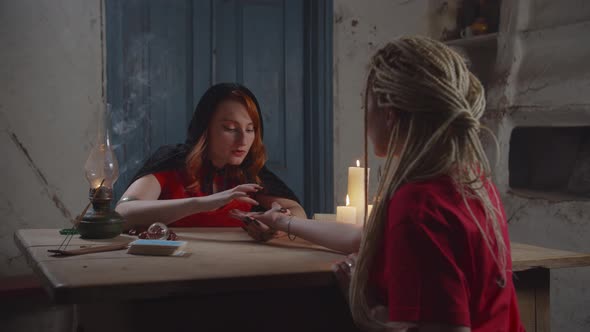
{"x":173,"y":184}
{"x":435,"y":266}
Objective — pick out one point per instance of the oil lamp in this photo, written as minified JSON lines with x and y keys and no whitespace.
{"x":102,"y":170}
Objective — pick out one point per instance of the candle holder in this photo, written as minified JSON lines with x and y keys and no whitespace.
{"x":102,"y":170}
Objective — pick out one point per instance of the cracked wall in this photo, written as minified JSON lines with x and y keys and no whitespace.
{"x":542,"y":79}
{"x":50,"y":86}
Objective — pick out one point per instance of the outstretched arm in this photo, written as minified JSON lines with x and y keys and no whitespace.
{"x":337,"y":236}
{"x":140,"y":205}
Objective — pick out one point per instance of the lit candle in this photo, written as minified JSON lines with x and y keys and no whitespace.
{"x":356,"y":190}
{"x":346,"y":214}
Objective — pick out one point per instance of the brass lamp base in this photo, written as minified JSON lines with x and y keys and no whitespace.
{"x":100,"y":224}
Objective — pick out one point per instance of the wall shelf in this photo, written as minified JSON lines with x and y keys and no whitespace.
{"x":452,"y":19}
{"x":480,"y":54}
{"x":486,"y":41}
{"x":550,"y":196}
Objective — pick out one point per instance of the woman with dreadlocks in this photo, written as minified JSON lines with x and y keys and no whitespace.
{"x":434,"y":254}
{"x":220,"y":167}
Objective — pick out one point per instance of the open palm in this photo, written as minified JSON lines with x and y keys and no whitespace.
{"x":239,"y":193}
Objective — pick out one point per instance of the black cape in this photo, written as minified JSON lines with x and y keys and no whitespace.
{"x":173,"y":157}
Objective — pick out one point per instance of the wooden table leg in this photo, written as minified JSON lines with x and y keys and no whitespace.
{"x":532,"y":290}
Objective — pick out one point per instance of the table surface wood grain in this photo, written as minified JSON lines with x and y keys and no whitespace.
{"x":217,"y":260}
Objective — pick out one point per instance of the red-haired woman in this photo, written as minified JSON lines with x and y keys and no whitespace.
{"x":219,"y":168}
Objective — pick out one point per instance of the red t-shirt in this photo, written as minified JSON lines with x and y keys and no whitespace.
{"x":173,"y":185}
{"x":435,"y":266}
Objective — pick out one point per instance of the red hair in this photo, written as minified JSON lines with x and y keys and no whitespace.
{"x":249,"y":168}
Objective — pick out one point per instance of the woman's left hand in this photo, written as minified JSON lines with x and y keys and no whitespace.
{"x":343,"y":271}
{"x":271,"y":218}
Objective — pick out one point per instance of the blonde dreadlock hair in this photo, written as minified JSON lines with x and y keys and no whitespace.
{"x":437,"y":103}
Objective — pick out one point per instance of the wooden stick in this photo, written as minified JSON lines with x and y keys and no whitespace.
{"x":91,"y":250}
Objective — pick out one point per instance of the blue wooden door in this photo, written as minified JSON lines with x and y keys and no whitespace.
{"x":163,"y":55}
{"x":149,"y":78}
{"x":260,"y":44}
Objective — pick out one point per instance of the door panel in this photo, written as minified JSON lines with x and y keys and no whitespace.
{"x":260,"y":44}
{"x":150,"y":78}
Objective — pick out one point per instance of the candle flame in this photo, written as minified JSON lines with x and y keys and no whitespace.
{"x":95,"y":183}
{"x":347,"y":200}
{"x":358,"y":163}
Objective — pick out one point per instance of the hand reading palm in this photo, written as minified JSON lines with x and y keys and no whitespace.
{"x":238,"y":193}
{"x":261,"y":226}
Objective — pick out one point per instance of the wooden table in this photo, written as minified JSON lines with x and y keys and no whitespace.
{"x":532,"y":266}
{"x":227,"y":282}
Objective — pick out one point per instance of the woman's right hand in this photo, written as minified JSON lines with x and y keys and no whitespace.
{"x":239,"y":193}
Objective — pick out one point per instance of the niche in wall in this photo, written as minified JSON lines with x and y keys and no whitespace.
{"x":550,"y":162}
{"x":452,"y":20}
{"x":471,"y":28}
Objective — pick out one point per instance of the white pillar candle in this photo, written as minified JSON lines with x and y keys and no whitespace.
{"x":356,"y":190}
{"x":346,"y":214}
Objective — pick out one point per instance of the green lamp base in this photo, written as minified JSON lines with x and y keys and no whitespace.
{"x":101,"y":224}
